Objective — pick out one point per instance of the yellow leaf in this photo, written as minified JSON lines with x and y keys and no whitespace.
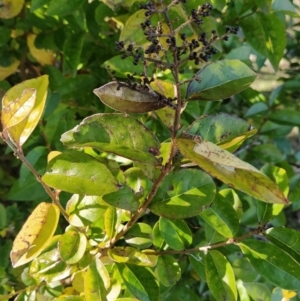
{"x":288,"y":294}
{"x":52,"y":155}
{"x":7,"y":71}
{"x":19,"y":133}
{"x":43,"y":56}
{"x":10,"y":8}
{"x":231,"y":170}
{"x":35,"y":234}
{"x":19,"y":109}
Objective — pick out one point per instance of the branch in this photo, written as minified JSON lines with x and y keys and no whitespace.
{"x":19,"y":154}
{"x":206,"y":248}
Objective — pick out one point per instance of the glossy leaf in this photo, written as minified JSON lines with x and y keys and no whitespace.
{"x":119,"y":134}
{"x":266,"y":34}
{"x":130,"y":255}
{"x":231,"y":196}
{"x":158,"y":240}
{"x":286,"y":117}
{"x":227,"y":131}
{"x":72,"y":246}
{"x":197,"y":261}
{"x":35,"y":234}
{"x":139,"y":281}
{"x":139,"y":236}
{"x":94,"y":287}
{"x":85,"y":210}
{"x":221,"y":216}
{"x":220,"y":276}
{"x":272,"y":263}
{"x":123,"y":198}
{"x":286,"y":239}
{"x":183,"y":194}
{"x":49,"y":267}
{"x":127,"y":100}
{"x":220,"y":80}
{"x":19,"y":133}
{"x":167,"y":270}
{"x":138,"y":182}
{"x":231,"y":170}
{"x":176,"y":233}
{"x":77,"y":172}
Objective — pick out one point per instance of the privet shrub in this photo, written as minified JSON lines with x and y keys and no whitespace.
{"x":160,"y":206}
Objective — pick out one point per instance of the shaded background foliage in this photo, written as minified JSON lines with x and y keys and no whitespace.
{"x":73,"y":42}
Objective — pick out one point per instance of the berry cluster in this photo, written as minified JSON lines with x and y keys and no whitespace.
{"x":149,"y":7}
{"x":143,"y":86}
{"x":198,"y":49}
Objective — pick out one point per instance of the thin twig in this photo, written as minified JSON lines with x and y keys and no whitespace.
{"x":206,"y":248}
{"x":19,"y":154}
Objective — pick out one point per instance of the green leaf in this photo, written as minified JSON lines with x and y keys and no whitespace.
{"x":139,"y":236}
{"x":176,"y":233}
{"x":49,"y":267}
{"x":72,"y":246}
{"x":257,"y":108}
{"x":124,"y":198}
{"x":77,"y":172}
{"x":244,"y":270}
{"x":94,"y":287}
{"x":197,"y":261}
{"x":119,"y":134}
{"x":126,"y":100}
{"x":227,"y":131}
{"x":167,"y":270}
{"x":83,"y":211}
{"x":220,"y":80}
{"x":286,"y":239}
{"x":183,"y":194}
{"x":265,"y":212}
{"x":131,"y":256}
{"x":35,"y":234}
{"x":231,"y":196}
{"x":72,"y":51}
{"x":31,"y":95}
{"x":110,"y":221}
{"x":222,"y":217}
{"x":272,"y":263}
{"x":140,"y":282}
{"x":258,"y":291}
{"x":286,"y":117}
{"x":138,"y":182}
{"x":266,"y":34}
{"x":158,"y":240}
{"x":220,"y":276}
{"x":121,"y":66}
{"x":231,"y":170}
{"x":63,"y":7}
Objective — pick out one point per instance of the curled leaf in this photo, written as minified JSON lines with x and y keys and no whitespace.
{"x":126,"y":100}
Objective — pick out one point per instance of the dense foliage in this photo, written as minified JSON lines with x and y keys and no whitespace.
{"x":181,"y":183}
